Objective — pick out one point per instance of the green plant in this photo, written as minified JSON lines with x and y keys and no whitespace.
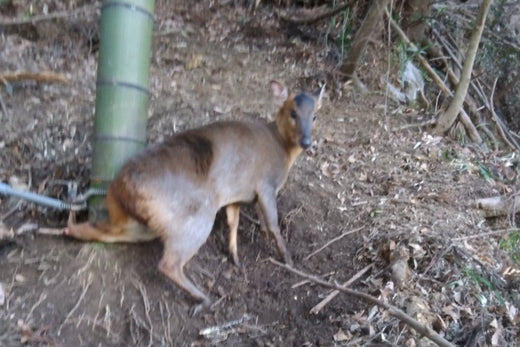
{"x":346,"y":34}
{"x":511,"y":244}
{"x":484,"y":171}
{"x":473,"y":275}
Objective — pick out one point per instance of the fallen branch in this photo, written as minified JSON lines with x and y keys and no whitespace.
{"x":224,"y":329}
{"x":50,"y":16}
{"x":316,"y":309}
{"x":42,"y":77}
{"x":337,"y":238}
{"x":426,"y":123}
{"x":317,"y":17}
{"x":394,"y":311}
{"x":498,"y":206}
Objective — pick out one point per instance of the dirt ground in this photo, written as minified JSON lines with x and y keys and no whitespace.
{"x":393,"y":193}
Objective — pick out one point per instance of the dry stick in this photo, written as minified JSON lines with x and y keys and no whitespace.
{"x":43,"y":77}
{"x":4,"y":108}
{"x":394,"y":311}
{"x":498,"y":205}
{"x":470,"y":127}
{"x":415,"y":125}
{"x":220,"y":329}
{"x":337,"y":238}
{"x":43,"y":17}
{"x":489,"y":233}
{"x":318,"y":17}
{"x":316,"y":309}
{"x":50,"y":231}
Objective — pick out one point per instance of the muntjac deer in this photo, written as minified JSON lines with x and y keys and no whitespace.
{"x":173,"y":190}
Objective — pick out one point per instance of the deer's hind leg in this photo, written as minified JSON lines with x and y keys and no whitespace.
{"x":182,"y":238}
{"x":120,"y":227}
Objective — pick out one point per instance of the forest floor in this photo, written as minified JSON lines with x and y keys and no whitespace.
{"x":399,"y":200}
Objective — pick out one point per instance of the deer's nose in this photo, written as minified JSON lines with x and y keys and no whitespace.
{"x":305,"y":142}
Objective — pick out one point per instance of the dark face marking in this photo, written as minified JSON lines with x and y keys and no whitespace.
{"x":305,"y":105}
{"x":200,"y":149}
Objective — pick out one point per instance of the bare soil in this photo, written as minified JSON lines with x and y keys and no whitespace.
{"x":410,"y":193}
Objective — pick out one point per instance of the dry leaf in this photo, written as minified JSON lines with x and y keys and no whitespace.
{"x":387,"y":291}
{"x":5,"y":233}
{"x":497,"y":335}
{"x":512,"y":313}
{"x":438,"y":324}
{"x":16,"y":183}
{"x":400,"y":273}
{"x":330,"y":170}
{"x":195,"y":61}
{"x":222,"y":110}
{"x":341,"y":336}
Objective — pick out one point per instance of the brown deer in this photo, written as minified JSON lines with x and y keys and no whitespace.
{"x":173,"y":190}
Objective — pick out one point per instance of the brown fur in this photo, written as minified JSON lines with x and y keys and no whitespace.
{"x":173,"y":190}
{"x":200,"y":148}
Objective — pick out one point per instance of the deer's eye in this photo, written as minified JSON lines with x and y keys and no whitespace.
{"x":293,"y":114}
{"x":313,"y":118}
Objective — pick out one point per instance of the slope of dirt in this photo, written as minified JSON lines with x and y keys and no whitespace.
{"x":384,"y":196}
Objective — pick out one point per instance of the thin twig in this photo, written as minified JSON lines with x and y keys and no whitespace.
{"x":4,"y":108}
{"x":146,"y":305}
{"x":316,"y":309}
{"x":489,"y":233}
{"x":436,"y":259}
{"x":394,"y":311}
{"x":337,"y":238}
{"x":80,"y":299}
{"x":11,"y":211}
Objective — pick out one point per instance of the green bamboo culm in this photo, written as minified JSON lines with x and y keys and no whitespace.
{"x":122,"y":92}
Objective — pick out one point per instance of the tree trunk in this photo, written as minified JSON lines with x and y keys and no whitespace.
{"x":447,"y":118}
{"x":370,"y":22}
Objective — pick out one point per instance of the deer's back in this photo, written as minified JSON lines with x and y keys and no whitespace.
{"x":214,"y":165}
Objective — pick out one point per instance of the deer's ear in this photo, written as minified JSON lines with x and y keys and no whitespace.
{"x":318,"y":97}
{"x":279,"y":92}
